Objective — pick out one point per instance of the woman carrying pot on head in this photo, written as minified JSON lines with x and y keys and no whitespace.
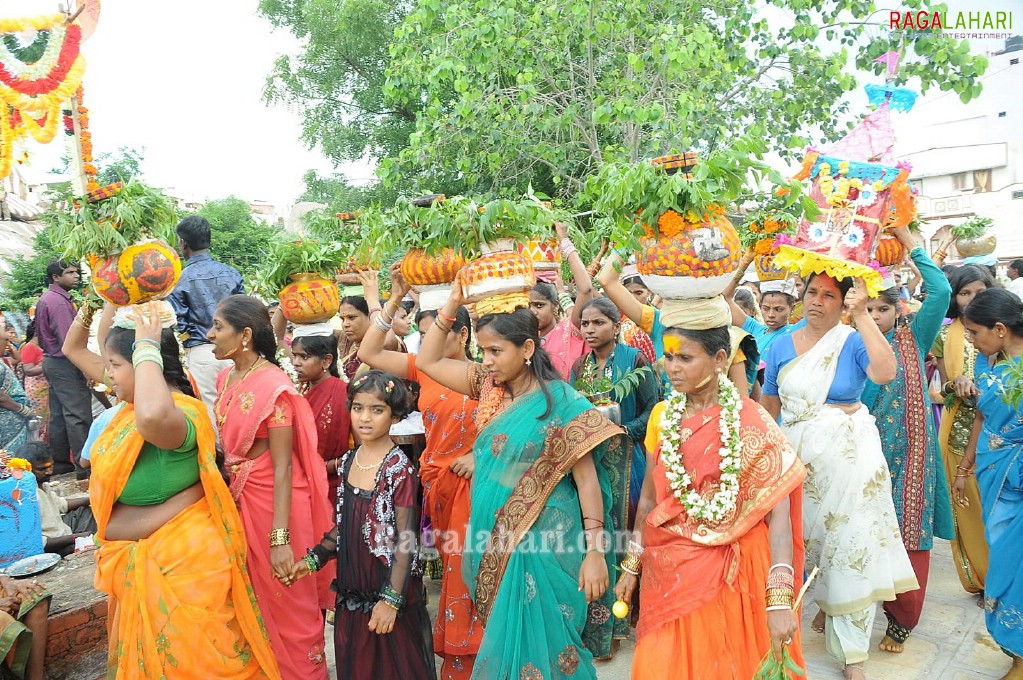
{"x":561,"y":339}
{"x":994,"y":322}
{"x":446,"y":469}
{"x":278,"y":479}
{"x":165,"y":517}
{"x":608,"y":363}
{"x":813,"y":382}
{"x":648,"y":318}
{"x":717,"y":545}
{"x":356,"y":312}
{"x":955,"y":356}
{"x":909,"y":439}
{"x":537,"y":481}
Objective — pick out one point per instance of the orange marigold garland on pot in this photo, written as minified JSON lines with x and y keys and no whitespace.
{"x":671,"y":212}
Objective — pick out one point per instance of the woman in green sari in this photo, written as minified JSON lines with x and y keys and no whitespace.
{"x":535,"y":561}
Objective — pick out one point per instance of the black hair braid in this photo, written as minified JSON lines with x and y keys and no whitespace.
{"x":173,"y":371}
{"x":265,"y":343}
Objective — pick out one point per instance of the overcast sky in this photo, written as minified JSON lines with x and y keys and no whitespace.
{"x":183,"y":80}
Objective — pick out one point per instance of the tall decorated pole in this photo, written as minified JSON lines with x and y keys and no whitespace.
{"x":41,"y":68}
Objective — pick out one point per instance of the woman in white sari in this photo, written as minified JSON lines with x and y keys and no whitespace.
{"x":814,"y":380}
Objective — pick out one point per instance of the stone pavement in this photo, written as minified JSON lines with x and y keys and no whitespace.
{"x":951,"y":642}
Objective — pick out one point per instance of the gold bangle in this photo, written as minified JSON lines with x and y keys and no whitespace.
{"x":389,"y":604}
{"x":279,"y":537}
{"x":632,"y":564}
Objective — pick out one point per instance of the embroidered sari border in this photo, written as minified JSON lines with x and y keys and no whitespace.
{"x":564,"y":446}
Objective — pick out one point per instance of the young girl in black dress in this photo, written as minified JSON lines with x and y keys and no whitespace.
{"x":381,"y":627}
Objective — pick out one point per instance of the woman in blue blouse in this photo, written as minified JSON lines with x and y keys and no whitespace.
{"x":994,"y":322}
{"x":908,"y":435}
{"x":813,"y":381}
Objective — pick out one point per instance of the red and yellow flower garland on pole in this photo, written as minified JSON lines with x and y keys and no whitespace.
{"x":32,"y":93}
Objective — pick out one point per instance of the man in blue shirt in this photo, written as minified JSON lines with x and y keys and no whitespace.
{"x":204,"y":283}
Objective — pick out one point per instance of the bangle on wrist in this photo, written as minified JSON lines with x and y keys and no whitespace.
{"x":280,"y":537}
{"x":449,"y":319}
{"x":779,"y":607}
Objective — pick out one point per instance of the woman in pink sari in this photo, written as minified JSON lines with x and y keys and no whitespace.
{"x":268,"y":434}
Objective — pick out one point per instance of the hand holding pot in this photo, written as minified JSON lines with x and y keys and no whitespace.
{"x":399,"y":286}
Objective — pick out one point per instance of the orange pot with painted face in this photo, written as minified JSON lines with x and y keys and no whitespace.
{"x":145,"y":271}
{"x":309,"y":298}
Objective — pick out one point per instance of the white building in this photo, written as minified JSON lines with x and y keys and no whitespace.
{"x":968,"y":159}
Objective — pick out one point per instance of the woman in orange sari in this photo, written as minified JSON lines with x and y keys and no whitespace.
{"x":172,"y":554}
{"x":719,"y":521}
{"x":278,"y":479}
{"x":446,"y":472}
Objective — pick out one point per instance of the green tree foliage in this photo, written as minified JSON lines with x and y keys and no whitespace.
{"x":27,"y":280}
{"x":238,"y":238}
{"x":336,"y":192}
{"x":337,"y":81}
{"x":121,"y":166}
{"x":515,"y":88}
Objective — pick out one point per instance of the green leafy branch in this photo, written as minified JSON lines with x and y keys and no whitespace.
{"x":295,"y":257}
{"x":135,"y":213}
{"x":600,"y":389}
{"x":975,"y":227}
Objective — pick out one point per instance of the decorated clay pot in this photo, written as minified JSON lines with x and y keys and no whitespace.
{"x":890,"y":251}
{"x":766,"y":271}
{"x":697,"y":262}
{"x":309,"y":298}
{"x":147,"y":270}
{"x":498,"y":273}
{"x":982,"y":245}
{"x":544,"y":253}
{"x":420,"y":269}
{"x":348,"y":273}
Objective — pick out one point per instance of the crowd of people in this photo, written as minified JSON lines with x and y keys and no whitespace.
{"x":783,"y":429}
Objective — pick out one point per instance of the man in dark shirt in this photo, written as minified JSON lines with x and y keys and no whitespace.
{"x":204,"y":283}
{"x":70,"y":396}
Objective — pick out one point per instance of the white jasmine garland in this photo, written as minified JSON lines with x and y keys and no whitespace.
{"x":722,"y":502}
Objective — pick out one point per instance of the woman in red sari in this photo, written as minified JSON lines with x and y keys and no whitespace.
{"x":268,"y":434}
{"x":721,"y":556}
{"x":446,"y":472}
{"x":315,"y":360}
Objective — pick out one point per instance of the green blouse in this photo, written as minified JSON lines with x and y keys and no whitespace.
{"x":161,"y":473}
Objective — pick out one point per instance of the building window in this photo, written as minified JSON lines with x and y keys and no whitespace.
{"x":962,"y":181}
{"x":981,"y":181}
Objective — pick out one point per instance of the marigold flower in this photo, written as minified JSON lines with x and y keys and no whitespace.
{"x":670,"y":224}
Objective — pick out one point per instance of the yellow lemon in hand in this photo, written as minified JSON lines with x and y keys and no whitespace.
{"x":620,"y":609}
